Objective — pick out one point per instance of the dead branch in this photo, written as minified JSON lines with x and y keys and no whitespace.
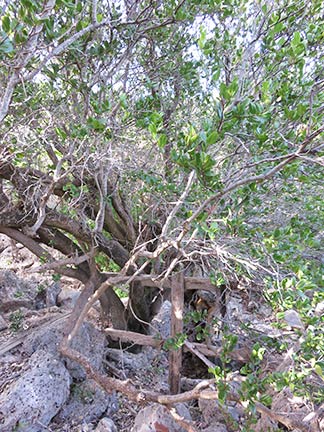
{"x":199,"y":349}
{"x":194,"y":350}
{"x":58,"y":263}
{"x":288,"y":420}
{"x":240,"y":354}
{"x":39,"y":251}
{"x":136,"y":338}
{"x":199,"y":391}
{"x":178,"y":204}
{"x":186,"y":424}
{"x":175,"y":356}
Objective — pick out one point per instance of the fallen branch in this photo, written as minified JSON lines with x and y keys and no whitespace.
{"x":126,"y":387}
{"x":200,"y":391}
{"x":136,"y":338}
{"x":76,"y":260}
{"x":239,"y":354}
{"x":186,"y":424}
{"x":195,"y":350}
{"x":288,"y":421}
{"x":13,"y":343}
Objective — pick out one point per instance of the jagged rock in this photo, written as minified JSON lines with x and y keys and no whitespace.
{"x":15,"y":256}
{"x":3,"y":323}
{"x":157,"y":418}
{"x":292,"y":318}
{"x":4,"y":242}
{"x":52,"y":293}
{"x":162,"y":321}
{"x":83,"y":427}
{"x":213,"y":413}
{"x":47,"y":296}
{"x":129,"y":361}
{"x":67,"y":296}
{"x":12,"y":288}
{"x":266,"y":424}
{"x":106,"y":425}
{"x":87,"y":403}
{"x":29,"y":404}
{"x":89,"y":342}
{"x":319,"y":310}
{"x":215,"y":427}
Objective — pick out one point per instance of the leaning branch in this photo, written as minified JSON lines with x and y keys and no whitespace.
{"x":214,"y":199}
{"x":22,"y":60}
{"x":39,"y":251}
{"x":200,"y":391}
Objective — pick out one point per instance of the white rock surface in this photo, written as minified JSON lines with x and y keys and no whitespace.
{"x":30,"y":403}
{"x":292,"y":318}
{"x":157,"y":418}
{"x":106,"y":425}
{"x":89,"y":342}
{"x":88,"y":402}
{"x":3,"y":323}
{"x":162,"y":321}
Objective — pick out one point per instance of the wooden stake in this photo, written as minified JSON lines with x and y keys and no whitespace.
{"x":175,"y":356}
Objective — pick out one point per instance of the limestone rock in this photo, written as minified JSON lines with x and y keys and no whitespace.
{"x":3,"y":323}
{"x":4,"y":242}
{"x":106,"y":425}
{"x":292,"y":318}
{"x":319,"y":310}
{"x":87,"y":403}
{"x":212,"y":413}
{"x":29,"y":404}
{"x":215,"y":427}
{"x":89,"y":342}
{"x":14,"y":289}
{"x":162,"y":321}
{"x":68,"y":296}
{"x":157,"y":418}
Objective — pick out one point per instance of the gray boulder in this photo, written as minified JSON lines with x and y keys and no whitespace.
{"x":161,"y":323}
{"x":3,"y":323}
{"x":89,"y":342}
{"x":4,"y":242}
{"x":15,"y":290}
{"x":106,"y":425}
{"x":215,"y":427}
{"x":87,"y":403}
{"x":29,"y":404}
{"x":156,"y":418}
{"x":214,"y":413}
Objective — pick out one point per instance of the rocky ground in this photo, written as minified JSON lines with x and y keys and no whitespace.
{"x":42,"y":391}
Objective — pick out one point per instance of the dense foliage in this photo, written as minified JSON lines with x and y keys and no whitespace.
{"x":164,"y":136}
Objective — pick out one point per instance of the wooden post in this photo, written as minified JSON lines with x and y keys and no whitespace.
{"x":175,"y":356}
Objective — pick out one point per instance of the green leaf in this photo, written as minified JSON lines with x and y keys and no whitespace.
{"x":6,"y":23}
{"x":212,"y":138}
{"x":163,"y":139}
{"x":61,"y":133}
{"x":296,"y":39}
{"x":223,"y":91}
{"x":6,"y":45}
{"x":96,"y":124}
{"x":152,"y":128}
{"x":216,"y":75}
{"x":278,"y":27}
{"x":202,"y":38}
{"x":319,"y":370}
